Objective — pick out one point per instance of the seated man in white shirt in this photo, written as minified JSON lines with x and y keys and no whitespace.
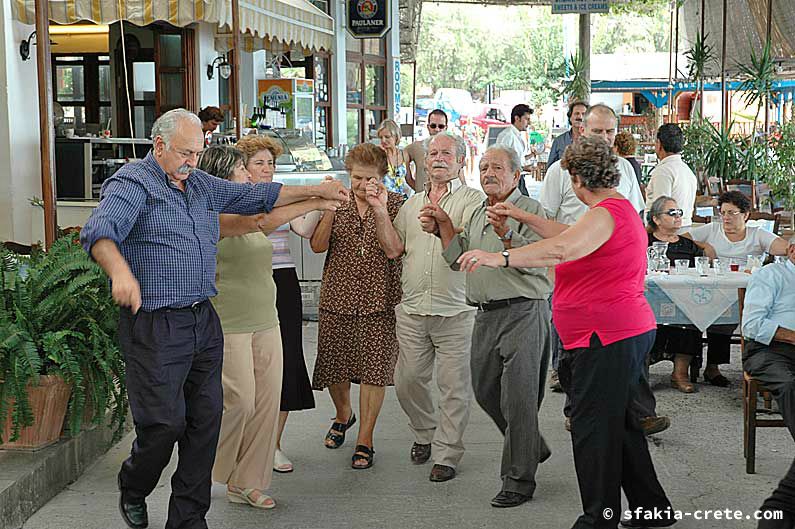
{"x":769,"y":356}
{"x":672,"y":177}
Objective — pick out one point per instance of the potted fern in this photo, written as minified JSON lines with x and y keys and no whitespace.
{"x":58,"y":352}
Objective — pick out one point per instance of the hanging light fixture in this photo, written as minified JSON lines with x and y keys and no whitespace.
{"x":224,"y":68}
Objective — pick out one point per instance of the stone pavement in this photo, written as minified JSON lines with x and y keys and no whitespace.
{"x":699,"y":462}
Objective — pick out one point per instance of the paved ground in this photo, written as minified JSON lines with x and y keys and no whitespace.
{"x":699,"y":461}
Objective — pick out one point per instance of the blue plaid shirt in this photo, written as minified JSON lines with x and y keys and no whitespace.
{"x":168,"y":236}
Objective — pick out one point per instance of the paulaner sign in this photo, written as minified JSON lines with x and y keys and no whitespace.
{"x":368,"y":18}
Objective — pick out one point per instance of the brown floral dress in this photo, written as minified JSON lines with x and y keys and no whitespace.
{"x":360,"y":288}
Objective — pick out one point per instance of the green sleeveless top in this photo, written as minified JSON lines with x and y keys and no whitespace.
{"x":246,"y":300}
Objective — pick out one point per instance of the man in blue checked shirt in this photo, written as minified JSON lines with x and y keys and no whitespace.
{"x":769,"y":356}
{"x":155,"y":233}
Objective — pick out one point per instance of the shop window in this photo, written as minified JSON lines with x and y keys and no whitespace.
{"x":81,"y":89}
{"x":353,"y":83}
{"x":374,"y":84}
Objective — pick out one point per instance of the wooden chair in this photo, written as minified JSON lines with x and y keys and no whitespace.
{"x":746,"y":187}
{"x":775,"y":217}
{"x":752,"y":388}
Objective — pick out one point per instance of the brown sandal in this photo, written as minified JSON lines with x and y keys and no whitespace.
{"x":682,"y":384}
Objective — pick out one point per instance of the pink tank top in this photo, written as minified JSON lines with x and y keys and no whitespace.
{"x":602,"y":292}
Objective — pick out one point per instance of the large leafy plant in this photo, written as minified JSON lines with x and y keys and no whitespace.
{"x":757,"y":78}
{"x":699,"y":58}
{"x":781,"y":177}
{"x":577,"y":86}
{"x":57,"y":317}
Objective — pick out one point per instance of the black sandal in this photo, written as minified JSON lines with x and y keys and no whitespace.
{"x":339,"y":438}
{"x":366,"y":455}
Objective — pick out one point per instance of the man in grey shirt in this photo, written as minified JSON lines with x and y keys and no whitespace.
{"x":510,"y":340}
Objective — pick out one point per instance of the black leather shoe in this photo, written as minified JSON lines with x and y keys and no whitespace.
{"x":441,"y":473}
{"x":509,"y":499}
{"x":420,"y":453}
{"x":133,"y":514}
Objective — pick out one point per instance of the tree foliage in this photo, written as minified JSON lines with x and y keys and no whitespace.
{"x":521,"y":47}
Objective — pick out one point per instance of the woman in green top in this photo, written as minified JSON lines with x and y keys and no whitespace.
{"x":246,"y":305}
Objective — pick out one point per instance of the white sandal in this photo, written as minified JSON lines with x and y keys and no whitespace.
{"x":244,"y":496}
{"x":281,"y":463}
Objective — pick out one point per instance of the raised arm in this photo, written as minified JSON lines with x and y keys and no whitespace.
{"x":304,"y":226}
{"x":586,"y":236}
{"x":234,"y":225}
{"x":543,"y":227}
{"x":320,"y":239}
{"x":388,"y":237}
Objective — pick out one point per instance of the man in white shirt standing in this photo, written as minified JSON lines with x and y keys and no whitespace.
{"x":512,"y":136}
{"x":672,"y":177}
{"x":562,"y":205}
{"x":557,"y":195}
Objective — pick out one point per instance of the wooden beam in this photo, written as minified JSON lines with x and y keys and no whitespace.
{"x":235,"y":99}
{"x":724,"y":96}
{"x":46,"y":121}
{"x":585,"y":47}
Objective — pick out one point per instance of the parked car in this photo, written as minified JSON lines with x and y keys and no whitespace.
{"x":487,"y":115}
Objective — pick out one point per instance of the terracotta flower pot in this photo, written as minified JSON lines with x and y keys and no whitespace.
{"x":48,"y":401}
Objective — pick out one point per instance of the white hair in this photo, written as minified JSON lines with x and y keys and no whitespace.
{"x":460,"y":144}
{"x":513,"y":158}
{"x":166,"y":125}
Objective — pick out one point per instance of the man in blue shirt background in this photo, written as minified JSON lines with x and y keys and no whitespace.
{"x":154,"y":233}
{"x":769,"y":356}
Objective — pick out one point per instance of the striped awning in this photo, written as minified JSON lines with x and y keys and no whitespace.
{"x":140,"y":12}
{"x":291,"y":23}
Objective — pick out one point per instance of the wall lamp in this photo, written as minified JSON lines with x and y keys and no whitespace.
{"x":224,"y":68}
{"x":24,"y":46}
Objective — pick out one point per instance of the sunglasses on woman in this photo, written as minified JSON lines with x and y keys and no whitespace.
{"x":674,"y":212}
{"x":435,"y":126}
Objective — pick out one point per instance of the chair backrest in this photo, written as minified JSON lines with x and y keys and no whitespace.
{"x":774,"y":221}
{"x":746,"y":187}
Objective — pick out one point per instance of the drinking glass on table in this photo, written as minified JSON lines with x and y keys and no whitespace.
{"x":734,"y":266}
{"x":719,"y":266}
{"x":702,"y":266}
{"x":681,"y":266}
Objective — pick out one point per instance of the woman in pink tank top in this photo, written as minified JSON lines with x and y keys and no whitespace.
{"x":607,"y":329}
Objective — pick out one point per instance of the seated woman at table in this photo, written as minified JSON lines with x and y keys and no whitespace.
{"x":678,"y":343}
{"x":731,"y":239}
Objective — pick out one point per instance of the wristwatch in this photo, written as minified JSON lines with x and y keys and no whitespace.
{"x":507,"y":255}
{"x":508,"y":235}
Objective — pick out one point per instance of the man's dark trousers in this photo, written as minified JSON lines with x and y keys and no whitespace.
{"x":774,"y":366}
{"x":174,"y":359}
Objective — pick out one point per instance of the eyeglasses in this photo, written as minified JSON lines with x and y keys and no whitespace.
{"x":674,"y":212}
{"x":187,"y":154}
{"x":436,"y":126}
{"x":729,"y":214}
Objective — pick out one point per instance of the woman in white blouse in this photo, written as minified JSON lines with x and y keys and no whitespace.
{"x":731,"y":239}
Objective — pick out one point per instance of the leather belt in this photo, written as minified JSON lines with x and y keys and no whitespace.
{"x":498,"y":304}
{"x":196,"y":305}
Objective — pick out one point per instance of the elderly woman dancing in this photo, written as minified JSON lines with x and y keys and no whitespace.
{"x":607,"y":329}
{"x":252,"y":368}
{"x":361,"y":286}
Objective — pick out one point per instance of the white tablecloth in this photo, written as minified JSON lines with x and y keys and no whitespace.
{"x":702,"y":299}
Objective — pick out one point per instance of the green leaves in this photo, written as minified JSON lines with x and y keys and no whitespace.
{"x":699,"y":57}
{"x":577,"y":86}
{"x":757,"y":78}
{"x":57,"y":317}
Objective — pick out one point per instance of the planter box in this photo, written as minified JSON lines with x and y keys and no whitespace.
{"x":48,"y":401}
